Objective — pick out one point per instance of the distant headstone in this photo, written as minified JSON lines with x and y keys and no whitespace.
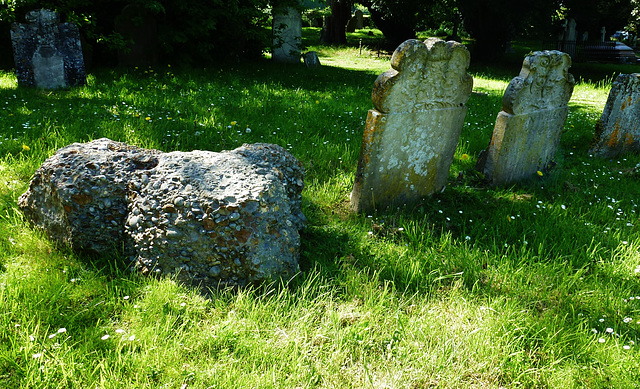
{"x":140,"y":30}
{"x":47,"y":54}
{"x":618,"y":130}
{"x":412,"y":134}
{"x":359,"y":17}
{"x":287,"y":34}
{"x":311,"y":60}
{"x":603,"y":34}
{"x":351,"y":24}
{"x":534,"y":111}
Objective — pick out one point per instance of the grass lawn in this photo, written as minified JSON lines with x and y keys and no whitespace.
{"x":533,"y":285}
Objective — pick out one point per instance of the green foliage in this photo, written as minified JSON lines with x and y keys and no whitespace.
{"x":190,"y":31}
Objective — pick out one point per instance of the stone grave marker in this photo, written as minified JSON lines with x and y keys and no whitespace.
{"x":47,"y":54}
{"x":618,"y":130}
{"x":140,"y":29}
{"x":412,"y":134}
{"x":534,"y":110}
{"x":359,"y":16}
{"x":287,"y":34}
{"x":311,"y":60}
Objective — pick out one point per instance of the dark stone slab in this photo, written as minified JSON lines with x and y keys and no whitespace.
{"x":47,"y":54}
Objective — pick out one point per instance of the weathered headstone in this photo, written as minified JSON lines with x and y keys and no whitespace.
{"x":534,"y":111}
{"x":231,"y":217}
{"x":618,"y":130}
{"x":47,"y":54}
{"x":359,"y":16}
{"x":412,"y":134}
{"x":140,"y":30}
{"x":287,"y":34}
{"x":311,"y":60}
{"x":356,"y":22}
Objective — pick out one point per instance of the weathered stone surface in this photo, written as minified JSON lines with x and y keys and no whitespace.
{"x":534,"y":110}
{"x":287,"y":34}
{"x":78,"y":196}
{"x":47,"y":54}
{"x":411,"y":135}
{"x":311,"y":60}
{"x":618,"y":130}
{"x":231,"y":217}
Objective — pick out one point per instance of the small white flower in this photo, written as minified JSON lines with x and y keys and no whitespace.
{"x":609,"y":330}
{"x":119,"y":331}
{"x":626,"y":347}
{"x":62,"y":330}
{"x":183,"y":304}
{"x":105,"y":337}
{"x":126,"y":297}
{"x":467,"y":237}
{"x":37,"y":355}
{"x":627,"y":320}
{"x":601,"y":340}
{"x":132,"y":338}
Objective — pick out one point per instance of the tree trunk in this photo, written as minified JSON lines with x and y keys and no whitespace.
{"x":333,"y":31}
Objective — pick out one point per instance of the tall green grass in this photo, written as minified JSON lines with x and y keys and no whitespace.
{"x":533,"y":285}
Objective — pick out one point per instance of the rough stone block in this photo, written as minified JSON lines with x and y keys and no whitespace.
{"x":618,"y":130}
{"x":207,"y":218}
{"x":411,"y":135}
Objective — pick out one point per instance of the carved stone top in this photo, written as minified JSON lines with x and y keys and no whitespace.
{"x":42,"y":16}
{"x":544,"y":83}
{"x":424,"y":75}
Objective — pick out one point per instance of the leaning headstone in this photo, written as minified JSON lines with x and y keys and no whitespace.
{"x":207,"y":218}
{"x":140,"y":31}
{"x":47,"y":54}
{"x":351,"y":24}
{"x":412,"y":134}
{"x":311,"y":60}
{"x":534,"y":110}
{"x":618,"y":130}
{"x":287,"y":34}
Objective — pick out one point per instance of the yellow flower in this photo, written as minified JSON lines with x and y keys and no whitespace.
{"x":540,"y":173}
{"x":147,"y":118}
{"x":464,"y":157}
{"x":25,"y":148}
{"x":317,"y":101}
{"x":169,"y":118}
{"x":233,"y":123}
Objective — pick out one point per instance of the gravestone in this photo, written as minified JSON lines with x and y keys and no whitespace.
{"x":287,"y":34}
{"x":140,"y":30}
{"x":412,"y":134}
{"x":47,"y":54}
{"x":311,"y":60}
{"x":618,"y":130}
{"x":351,"y":24}
{"x":534,"y":110}
{"x":359,"y":16}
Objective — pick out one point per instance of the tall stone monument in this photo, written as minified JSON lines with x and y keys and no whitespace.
{"x":412,"y":134}
{"x":287,"y":34}
{"x":47,"y":54}
{"x":618,"y":130}
{"x":534,"y":110}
